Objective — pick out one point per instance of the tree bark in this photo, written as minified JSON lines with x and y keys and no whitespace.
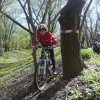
{"x":33,"y":36}
{"x":70,"y":48}
{"x":0,"y":45}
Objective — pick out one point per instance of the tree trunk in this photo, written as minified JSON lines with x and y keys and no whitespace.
{"x":0,"y":46}
{"x":5,"y":48}
{"x":70,"y":47}
{"x":84,"y":18}
{"x":86,"y":35}
{"x":33,"y":36}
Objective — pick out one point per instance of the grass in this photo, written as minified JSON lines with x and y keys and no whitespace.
{"x":95,"y":61}
{"x":17,"y":74}
{"x":88,"y":54}
{"x":14,"y":67}
{"x":75,"y":94}
{"x":7,"y":58}
{"x":10,"y":57}
{"x":91,"y":91}
{"x":15,"y":70}
{"x":92,"y":79}
{"x":20,"y":61}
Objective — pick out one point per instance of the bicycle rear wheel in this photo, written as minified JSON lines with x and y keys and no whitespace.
{"x":41,"y":75}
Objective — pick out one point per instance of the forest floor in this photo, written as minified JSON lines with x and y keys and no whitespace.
{"x":59,"y":89}
{"x":22,"y":87}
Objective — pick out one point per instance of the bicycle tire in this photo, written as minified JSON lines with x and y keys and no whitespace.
{"x":40,"y":77}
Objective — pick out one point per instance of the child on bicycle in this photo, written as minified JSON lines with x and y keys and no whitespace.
{"x":47,"y":40}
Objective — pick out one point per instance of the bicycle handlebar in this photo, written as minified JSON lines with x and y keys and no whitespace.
{"x":44,"y":48}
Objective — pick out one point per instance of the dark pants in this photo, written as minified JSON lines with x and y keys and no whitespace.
{"x":52,"y":58}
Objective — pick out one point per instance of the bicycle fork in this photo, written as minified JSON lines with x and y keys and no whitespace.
{"x":42,"y":69}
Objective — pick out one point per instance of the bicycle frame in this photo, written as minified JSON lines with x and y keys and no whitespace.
{"x":45,"y":55}
{"x":43,"y":69}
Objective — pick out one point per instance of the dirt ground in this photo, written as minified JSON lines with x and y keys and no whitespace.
{"x":24,"y":88}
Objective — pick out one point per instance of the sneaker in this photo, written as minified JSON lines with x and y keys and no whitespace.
{"x":55,"y":73}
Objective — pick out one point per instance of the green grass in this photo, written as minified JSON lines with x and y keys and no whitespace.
{"x":92,"y":79}
{"x":75,"y":94}
{"x":7,"y":57}
{"x":91,"y":91}
{"x":17,"y":74}
{"x":15,"y":70}
{"x":95,"y":61}
{"x":14,"y":67}
{"x":14,"y":56}
{"x":86,"y":54}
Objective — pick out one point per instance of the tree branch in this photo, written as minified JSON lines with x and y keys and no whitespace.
{"x":16,"y":22}
{"x":84,"y":17}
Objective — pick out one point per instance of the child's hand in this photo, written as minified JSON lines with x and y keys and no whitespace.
{"x":53,"y":46}
{"x":35,"y":47}
{"x":32,"y":46}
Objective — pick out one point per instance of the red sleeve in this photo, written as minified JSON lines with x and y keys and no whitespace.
{"x":53,"y":39}
{"x":34,"y":43}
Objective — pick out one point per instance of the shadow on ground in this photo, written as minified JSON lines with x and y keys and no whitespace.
{"x":54,"y":90}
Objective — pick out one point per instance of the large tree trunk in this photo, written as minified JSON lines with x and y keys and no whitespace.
{"x":70,"y":47}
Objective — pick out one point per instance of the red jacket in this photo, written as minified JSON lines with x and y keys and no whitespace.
{"x":47,"y":39}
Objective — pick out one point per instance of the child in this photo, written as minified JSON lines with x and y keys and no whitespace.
{"x":47,"y":39}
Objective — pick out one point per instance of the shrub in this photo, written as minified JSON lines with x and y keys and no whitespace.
{"x":86,"y":54}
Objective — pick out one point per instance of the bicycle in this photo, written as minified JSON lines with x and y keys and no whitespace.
{"x":43,"y":69}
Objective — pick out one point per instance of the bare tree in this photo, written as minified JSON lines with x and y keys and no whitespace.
{"x":40,"y":16}
{"x":8,"y":30}
{"x":91,"y":26}
{"x":84,"y":17}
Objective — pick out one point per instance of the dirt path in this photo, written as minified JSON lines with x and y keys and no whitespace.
{"x":57,"y":89}
{"x":4,"y":65}
{"x":18,"y":88}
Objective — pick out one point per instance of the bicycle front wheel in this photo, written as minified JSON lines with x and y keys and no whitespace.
{"x":41,"y":75}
